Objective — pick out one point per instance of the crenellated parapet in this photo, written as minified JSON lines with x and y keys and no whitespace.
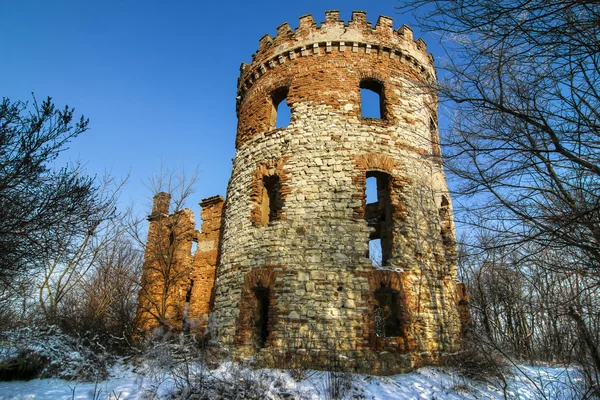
{"x":334,"y":35}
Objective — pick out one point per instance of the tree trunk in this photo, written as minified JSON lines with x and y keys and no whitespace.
{"x":586,"y":336}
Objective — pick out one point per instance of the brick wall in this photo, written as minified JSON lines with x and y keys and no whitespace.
{"x":205,"y":263}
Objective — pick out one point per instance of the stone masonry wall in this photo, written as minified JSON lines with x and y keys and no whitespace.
{"x":311,"y":267}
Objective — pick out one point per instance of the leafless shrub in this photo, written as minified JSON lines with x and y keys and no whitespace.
{"x":337,"y":385}
{"x":479,"y":361}
{"x":48,"y":352}
{"x":105,"y":300}
{"x":183,"y":364}
{"x":296,"y":363}
{"x":337,"y":382}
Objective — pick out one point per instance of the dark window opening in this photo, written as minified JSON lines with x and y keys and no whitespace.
{"x":271,"y":204}
{"x":280,"y":111}
{"x":186,"y":308}
{"x":261,"y":317}
{"x":446,"y":224}
{"x":371,"y":99}
{"x":387,"y":312}
{"x":188,"y":295}
{"x":378,"y":214}
{"x":435,"y":138}
{"x":445,"y":202}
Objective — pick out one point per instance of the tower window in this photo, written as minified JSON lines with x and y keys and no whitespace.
{"x":261,"y":317}
{"x":378,"y":214}
{"x":371,"y":99}
{"x":435,"y":139}
{"x":186,"y":309}
{"x":271,"y":204}
{"x":280,"y":111}
{"x":387,"y":312}
{"x":446,"y":224}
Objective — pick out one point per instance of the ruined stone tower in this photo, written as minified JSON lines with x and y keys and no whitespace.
{"x":294,"y":273}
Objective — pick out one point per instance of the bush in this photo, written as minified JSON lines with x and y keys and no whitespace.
{"x":236,"y":383}
{"x":25,"y":365}
{"x":478,"y":361}
{"x":185,"y":366}
{"x":47,"y":352}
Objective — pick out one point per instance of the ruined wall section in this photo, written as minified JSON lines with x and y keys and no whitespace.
{"x":167,"y":266}
{"x":314,"y":261}
{"x":205,"y":264}
{"x":177,"y":284}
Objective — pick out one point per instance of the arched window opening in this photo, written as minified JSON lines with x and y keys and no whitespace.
{"x":261,"y":317}
{"x":444,"y":202}
{"x":435,"y":138}
{"x":378,"y":214}
{"x":271,"y":204}
{"x":446,"y":224}
{"x":372,"y":102}
{"x":280,"y":111}
{"x":387,"y":312}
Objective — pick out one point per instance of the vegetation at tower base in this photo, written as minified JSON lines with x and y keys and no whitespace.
{"x":288,"y":250}
{"x":523,"y":87}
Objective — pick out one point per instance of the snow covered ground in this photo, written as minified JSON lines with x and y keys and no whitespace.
{"x":127,"y":382}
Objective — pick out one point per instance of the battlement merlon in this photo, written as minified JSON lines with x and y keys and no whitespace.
{"x":313,"y":39}
{"x":160,"y":206}
{"x":204,"y":203}
{"x":211,"y":214}
{"x":358,"y":29}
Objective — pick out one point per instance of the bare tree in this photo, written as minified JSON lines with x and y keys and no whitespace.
{"x":522,"y":82}
{"x":522,"y":298}
{"x":168,"y":252}
{"x":49,"y":217}
{"x":36,"y":199}
{"x":77,"y":251}
{"x":105,"y":300}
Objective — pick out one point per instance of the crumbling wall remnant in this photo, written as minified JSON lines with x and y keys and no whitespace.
{"x":177,"y":285}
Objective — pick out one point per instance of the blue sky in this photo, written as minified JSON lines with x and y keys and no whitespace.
{"x":157,"y":79}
